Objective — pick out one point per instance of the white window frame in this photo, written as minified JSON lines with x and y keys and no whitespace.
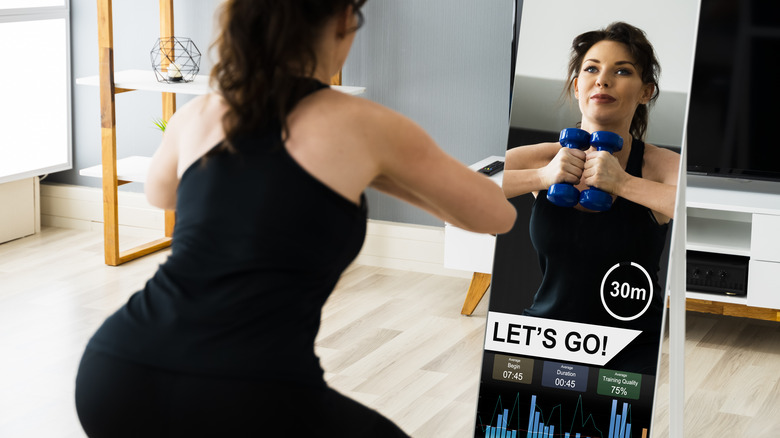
{"x":20,"y":15}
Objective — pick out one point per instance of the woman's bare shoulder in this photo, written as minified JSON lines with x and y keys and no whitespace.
{"x":374,"y":125}
{"x":195,"y":128}
{"x":358,"y":107}
{"x":659,"y":155}
{"x":201,"y":110}
{"x":661,"y":164}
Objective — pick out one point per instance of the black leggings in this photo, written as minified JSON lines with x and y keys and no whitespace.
{"x":116,"y":398}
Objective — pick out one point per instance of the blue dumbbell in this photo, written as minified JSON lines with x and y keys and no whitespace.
{"x":593,"y":198}
{"x":564,"y":194}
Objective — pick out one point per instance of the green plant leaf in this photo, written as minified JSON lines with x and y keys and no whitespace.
{"x":160,"y":123}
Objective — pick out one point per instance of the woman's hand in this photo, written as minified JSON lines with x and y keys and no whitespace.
{"x":603,"y":171}
{"x":567,"y":166}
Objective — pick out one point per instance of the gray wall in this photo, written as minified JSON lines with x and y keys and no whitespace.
{"x":443,"y":63}
{"x":447,"y":65}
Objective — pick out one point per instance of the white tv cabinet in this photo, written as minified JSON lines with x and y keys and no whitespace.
{"x":737,"y":217}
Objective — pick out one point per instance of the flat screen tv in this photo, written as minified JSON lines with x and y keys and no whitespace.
{"x":735,"y":91}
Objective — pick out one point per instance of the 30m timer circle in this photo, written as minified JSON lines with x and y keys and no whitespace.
{"x":626,"y":291}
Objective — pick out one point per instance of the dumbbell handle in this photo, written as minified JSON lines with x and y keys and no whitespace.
{"x":563,"y":194}
{"x":593,"y":198}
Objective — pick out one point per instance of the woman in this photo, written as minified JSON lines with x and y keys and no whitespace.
{"x":613,"y":74}
{"x":267,"y":177}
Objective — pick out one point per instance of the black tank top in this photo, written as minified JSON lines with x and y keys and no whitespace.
{"x":258,"y":247}
{"x":576,"y":249}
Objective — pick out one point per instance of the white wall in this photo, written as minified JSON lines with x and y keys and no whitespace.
{"x":546,"y":31}
{"x":548,"y":28}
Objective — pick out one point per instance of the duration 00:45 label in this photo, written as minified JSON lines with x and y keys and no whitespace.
{"x":565,"y":376}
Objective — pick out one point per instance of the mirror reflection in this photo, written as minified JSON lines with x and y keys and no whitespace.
{"x":577,"y":297}
{"x":598,"y":107}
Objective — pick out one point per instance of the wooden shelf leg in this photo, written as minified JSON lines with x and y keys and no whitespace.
{"x":477,"y":288}
{"x":170,"y":221}
{"x":168,"y":99}
{"x":108,"y":132}
{"x":108,"y":90}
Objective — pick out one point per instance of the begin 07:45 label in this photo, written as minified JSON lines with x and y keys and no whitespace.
{"x":513,"y":369}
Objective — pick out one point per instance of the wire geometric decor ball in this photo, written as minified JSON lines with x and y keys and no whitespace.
{"x":175,"y":60}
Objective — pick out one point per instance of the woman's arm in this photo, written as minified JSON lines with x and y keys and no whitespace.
{"x":529,"y":169}
{"x":193,"y":130}
{"x":656,"y":196}
{"x":393,"y":188}
{"x":413,"y":168}
{"x":162,"y":180}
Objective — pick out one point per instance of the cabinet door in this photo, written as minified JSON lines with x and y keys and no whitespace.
{"x":35,"y":85}
{"x":18,"y":221}
{"x":765,"y":238}
{"x":467,"y":251}
{"x":763,"y":290}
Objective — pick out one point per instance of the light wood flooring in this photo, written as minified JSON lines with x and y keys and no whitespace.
{"x":393,"y":340}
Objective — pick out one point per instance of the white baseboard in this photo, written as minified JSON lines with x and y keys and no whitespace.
{"x":417,"y":248}
{"x":81,"y":208}
{"x":393,"y":245}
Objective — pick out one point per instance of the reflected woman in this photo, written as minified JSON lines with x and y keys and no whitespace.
{"x":613,"y":74}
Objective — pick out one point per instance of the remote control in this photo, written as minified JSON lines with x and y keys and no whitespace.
{"x":492,"y":168}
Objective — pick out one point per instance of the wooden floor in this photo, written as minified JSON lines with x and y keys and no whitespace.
{"x":393,"y":340}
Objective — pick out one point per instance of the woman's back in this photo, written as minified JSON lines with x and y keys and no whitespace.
{"x":258,"y":246}
{"x":324,"y":136}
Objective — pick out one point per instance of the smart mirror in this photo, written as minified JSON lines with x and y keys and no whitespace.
{"x":585,"y":364}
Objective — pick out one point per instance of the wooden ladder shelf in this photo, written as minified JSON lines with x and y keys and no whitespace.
{"x":108,"y":91}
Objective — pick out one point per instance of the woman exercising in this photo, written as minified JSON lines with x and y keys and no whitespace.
{"x":613,"y":74}
{"x":266,"y":175}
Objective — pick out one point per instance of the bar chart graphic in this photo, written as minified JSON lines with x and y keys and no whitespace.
{"x":538,"y":428}
{"x":619,"y":426}
{"x":619,"y":422}
{"x":500,"y":429}
{"x":506,"y":423}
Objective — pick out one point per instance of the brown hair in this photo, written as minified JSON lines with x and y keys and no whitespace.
{"x":266,"y":53}
{"x":638,"y":46}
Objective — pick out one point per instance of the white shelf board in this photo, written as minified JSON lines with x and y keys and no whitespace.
{"x":146,"y":80}
{"x":751,"y":196}
{"x":716,"y":298}
{"x":132,"y":169}
{"x":347,"y":89}
{"x":718,"y":236}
